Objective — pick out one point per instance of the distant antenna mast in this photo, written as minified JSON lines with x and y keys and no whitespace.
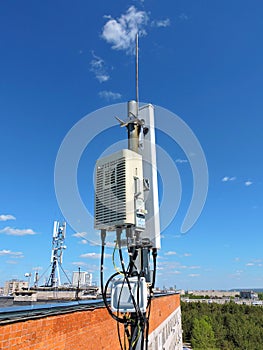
{"x":59,"y":234}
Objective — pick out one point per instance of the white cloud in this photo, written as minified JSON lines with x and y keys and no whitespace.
{"x":80,"y":234}
{"x":233,"y":178}
{"x":161,"y":23}
{"x":17,"y":232}
{"x":257,"y":260}
{"x":182,"y":267}
{"x":237,"y":274}
{"x":5,"y":252}
{"x":121,"y":32}
{"x":94,"y":255}
{"x":194,"y":275}
{"x":175,"y":272}
{"x":194,"y":267}
{"x":183,"y":17}
{"x":98,"y":67}
{"x":187,"y":254}
{"x":170,"y":253}
{"x":102,"y":77}
{"x":79,"y":263}
{"x":4,"y":217}
{"x":37,"y":268}
{"x":227,"y":178}
{"x":109,"y":95}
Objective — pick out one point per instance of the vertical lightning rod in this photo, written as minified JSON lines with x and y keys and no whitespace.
{"x":133,"y":109}
{"x":137,"y":72}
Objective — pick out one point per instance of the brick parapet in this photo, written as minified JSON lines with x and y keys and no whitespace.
{"x":91,"y":329}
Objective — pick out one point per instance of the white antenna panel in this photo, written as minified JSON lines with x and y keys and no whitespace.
{"x":152,"y":229}
{"x":63,"y":230}
{"x":55,"y":229}
{"x":116,"y":178}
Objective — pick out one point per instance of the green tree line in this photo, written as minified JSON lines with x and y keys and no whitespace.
{"x":227,"y":326}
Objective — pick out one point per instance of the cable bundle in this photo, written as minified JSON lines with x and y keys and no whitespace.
{"x":135,"y":324}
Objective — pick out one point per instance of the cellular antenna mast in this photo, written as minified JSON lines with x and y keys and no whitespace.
{"x":59,"y":234}
{"x":127,"y":200}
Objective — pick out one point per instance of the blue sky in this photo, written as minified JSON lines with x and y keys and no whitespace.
{"x":61,"y":60}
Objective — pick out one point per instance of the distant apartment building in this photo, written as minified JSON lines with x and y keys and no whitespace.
{"x":81,"y":279}
{"x":13,"y":286}
{"x":214,"y":293}
{"x":248,"y":294}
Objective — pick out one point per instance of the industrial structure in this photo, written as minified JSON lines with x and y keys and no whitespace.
{"x":81,"y":279}
{"x":14,"y":285}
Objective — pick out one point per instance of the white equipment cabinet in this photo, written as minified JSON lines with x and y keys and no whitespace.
{"x":119,"y":198}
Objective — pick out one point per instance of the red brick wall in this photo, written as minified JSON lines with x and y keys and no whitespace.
{"x":90,"y":329}
{"x":161,"y":308}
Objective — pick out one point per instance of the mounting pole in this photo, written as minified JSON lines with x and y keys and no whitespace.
{"x":138,"y":247}
{"x":134,"y":129}
{"x":134,"y":126}
{"x":137,"y":72}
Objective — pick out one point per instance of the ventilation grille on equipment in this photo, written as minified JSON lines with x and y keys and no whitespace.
{"x":110,"y":206}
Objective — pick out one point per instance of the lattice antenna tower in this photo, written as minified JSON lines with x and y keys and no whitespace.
{"x":58,"y":247}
